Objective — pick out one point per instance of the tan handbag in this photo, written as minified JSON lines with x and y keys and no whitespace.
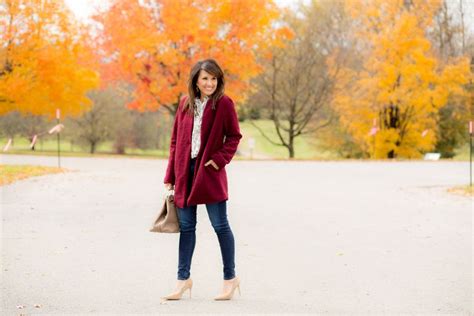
{"x":167,"y":220}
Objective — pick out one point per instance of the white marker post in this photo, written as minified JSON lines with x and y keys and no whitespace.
{"x":7,"y":146}
{"x":33,"y":142}
{"x":372,"y":132}
{"x":251,"y":143}
{"x":56,"y":129}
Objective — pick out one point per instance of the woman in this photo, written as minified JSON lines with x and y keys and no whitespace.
{"x":205,"y":137}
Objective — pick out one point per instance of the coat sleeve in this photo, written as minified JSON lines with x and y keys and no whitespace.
{"x":170,"y":176}
{"x":232,"y":137}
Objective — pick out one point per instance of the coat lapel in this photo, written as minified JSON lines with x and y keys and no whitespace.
{"x":207,"y":120}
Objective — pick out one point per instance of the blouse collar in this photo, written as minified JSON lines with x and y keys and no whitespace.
{"x":198,"y":100}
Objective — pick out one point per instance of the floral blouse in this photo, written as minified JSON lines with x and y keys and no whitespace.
{"x":196,"y":136}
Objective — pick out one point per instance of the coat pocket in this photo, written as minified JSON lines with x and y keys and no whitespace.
{"x":212,"y":168}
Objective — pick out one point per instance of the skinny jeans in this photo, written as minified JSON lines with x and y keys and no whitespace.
{"x":217,"y":213}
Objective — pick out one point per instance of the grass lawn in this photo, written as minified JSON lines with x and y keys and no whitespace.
{"x":12,"y":173}
{"x":462,"y":153}
{"x":48,"y":147}
{"x":306,"y":147}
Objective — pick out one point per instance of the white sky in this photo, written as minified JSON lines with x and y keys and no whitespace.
{"x":84,"y":8}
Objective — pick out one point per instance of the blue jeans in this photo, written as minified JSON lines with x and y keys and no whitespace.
{"x":187,"y":239}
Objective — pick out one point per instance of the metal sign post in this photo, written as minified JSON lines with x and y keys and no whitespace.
{"x":59,"y":139}
{"x":470,"y":154}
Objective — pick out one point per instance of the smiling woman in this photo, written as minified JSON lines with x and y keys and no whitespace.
{"x":205,"y":137}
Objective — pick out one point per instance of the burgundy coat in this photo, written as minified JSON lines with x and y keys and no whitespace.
{"x":220,"y":136}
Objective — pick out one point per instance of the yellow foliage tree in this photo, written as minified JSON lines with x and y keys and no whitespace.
{"x":390,"y":101}
{"x":42,"y":61}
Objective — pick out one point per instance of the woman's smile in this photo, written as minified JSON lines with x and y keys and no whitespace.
{"x":206,"y":83}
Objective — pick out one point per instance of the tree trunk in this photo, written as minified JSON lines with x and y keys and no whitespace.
{"x":291,"y":151}
{"x":93,"y":147}
{"x":120,"y":149}
{"x":291,"y":147}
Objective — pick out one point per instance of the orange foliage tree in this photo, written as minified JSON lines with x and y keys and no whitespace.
{"x":389,"y":102}
{"x":154,"y":43}
{"x":42,"y":60}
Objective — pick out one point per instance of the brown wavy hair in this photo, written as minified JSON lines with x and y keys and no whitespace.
{"x":212,"y":67}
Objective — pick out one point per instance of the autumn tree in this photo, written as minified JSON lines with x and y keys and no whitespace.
{"x":296,"y":86}
{"x":42,"y":61}
{"x":106,"y":119}
{"x":14,"y":124}
{"x":146,"y":130}
{"x":452,"y":39}
{"x":154,"y":43}
{"x":390,"y":100}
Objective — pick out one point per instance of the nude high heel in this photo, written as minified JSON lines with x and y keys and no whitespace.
{"x":228,"y":295}
{"x":176,"y":295}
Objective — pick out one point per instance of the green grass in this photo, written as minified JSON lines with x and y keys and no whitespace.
{"x":48,"y":147}
{"x":462,"y":153}
{"x":306,"y":147}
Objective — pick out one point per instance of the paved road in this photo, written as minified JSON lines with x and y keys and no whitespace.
{"x":311,"y":237}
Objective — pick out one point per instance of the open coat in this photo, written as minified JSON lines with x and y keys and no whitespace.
{"x":220,"y":136}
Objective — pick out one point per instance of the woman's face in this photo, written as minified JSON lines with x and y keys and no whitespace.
{"x":206,"y":83}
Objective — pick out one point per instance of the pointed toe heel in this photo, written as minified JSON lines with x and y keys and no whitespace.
{"x":180,"y":289}
{"x":229,"y":293}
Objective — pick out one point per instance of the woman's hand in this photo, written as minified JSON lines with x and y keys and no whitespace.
{"x":168,"y":186}
{"x":211,"y":162}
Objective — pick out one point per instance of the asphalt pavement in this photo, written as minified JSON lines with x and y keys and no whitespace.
{"x":335,"y":238}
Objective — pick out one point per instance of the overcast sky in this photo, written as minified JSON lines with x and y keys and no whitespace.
{"x":84,"y":8}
